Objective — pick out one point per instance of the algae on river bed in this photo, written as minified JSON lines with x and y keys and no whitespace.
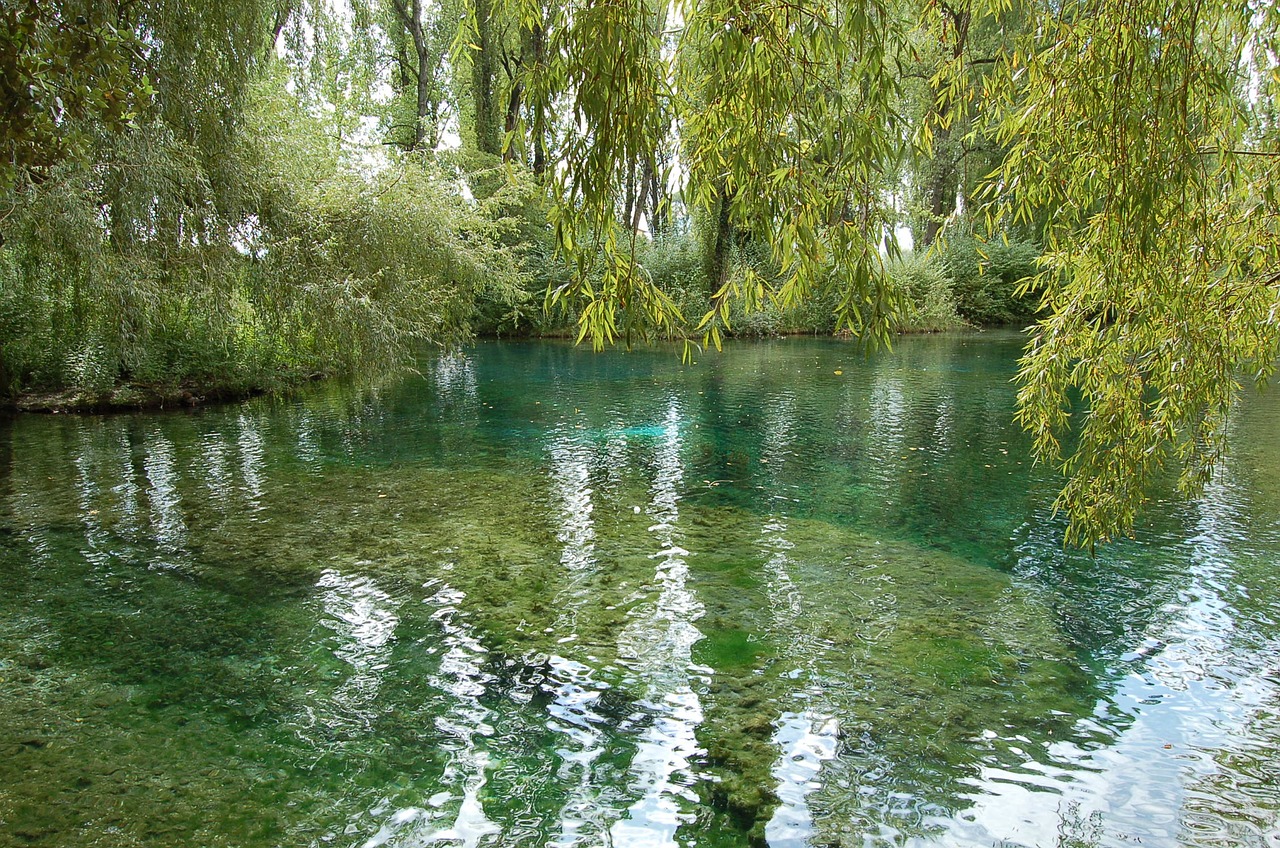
{"x":910,"y":653}
{"x":498,"y":609}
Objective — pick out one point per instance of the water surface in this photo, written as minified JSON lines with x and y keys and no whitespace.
{"x":535,"y":596}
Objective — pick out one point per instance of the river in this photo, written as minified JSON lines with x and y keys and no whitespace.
{"x":536,"y":596}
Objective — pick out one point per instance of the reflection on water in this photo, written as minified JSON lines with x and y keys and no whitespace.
{"x":575,"y":715}
{"x":454,"y":814}
{"x":455,"y":377}
{"x":251,"y":457}
{"x":656,"y":647}
{"x":573,"y":691}
{"x":888,"y":419}
{"x":363,"y":620}
{"x":215,"y":464}
{"x":805,"y":746}
{"x":168,"y":527}
{"x":805,"y":736}
{"x":465,"y":725}
{"x":571,"y":466}
{"x":89,"y":482}
{"x":544,"y":597}
{"x":1188,"y":711}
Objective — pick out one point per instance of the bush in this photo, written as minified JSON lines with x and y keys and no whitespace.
{"x":675,"y":264}
{"x":985,"y":276}
{"x":931,"y":304}
{"x":308,"y":265}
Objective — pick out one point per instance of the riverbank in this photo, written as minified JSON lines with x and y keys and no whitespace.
{"x":120,"y":399}
{"x":132,"y":397}
{"x":139,"y":396}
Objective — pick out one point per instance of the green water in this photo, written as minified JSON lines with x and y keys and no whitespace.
{"x":536,"y":596}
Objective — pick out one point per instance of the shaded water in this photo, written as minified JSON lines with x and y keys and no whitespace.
{"x":537,"y":596}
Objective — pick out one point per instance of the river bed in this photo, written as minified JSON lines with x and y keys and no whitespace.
{"x":536,"y":596}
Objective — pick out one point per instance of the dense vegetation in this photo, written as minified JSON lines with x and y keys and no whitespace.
{"x":227,"y":238}
{"x":239,"y":195}
{"x":217,"y":197}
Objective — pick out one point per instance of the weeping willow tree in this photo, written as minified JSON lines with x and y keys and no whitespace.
{"x":788,"y":129}
{"x":1138,"y":140}
{"x":1143,"y":135}
{"x":227,"y":235}
{"x":113,"y":234}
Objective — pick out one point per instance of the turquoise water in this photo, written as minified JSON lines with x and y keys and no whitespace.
{"x":535,"y":596}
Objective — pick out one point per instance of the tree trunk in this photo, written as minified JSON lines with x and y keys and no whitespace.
{"x":943,"y":182}
{"x":657,"y":218}
{"x":424,"y":111}
{"x":718,"y":264}
{"x":283,"y":11}
{"x":632,"y":200}
{"x":514,"y":102}
{"x":425,"y":66}
{"x":403,"y":66}
{"x":538,"y":42}
{"x":643,"y":191}
{"x":942,"y":188}
{"x":6,"y":383}
{"x":482,"y":76}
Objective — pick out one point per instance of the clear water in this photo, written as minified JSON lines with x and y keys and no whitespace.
{"x":535,"y":596}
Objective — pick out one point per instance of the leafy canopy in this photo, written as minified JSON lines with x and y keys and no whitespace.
{"x":1142,"y":133}
{"x":1137,"y":140}
{"x":61,"y":62}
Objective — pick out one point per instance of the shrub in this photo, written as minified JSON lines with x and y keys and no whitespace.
{"x":985,"y":275}
{"x":931,"y":304}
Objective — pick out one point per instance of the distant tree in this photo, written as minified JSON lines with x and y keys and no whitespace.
{"x":419,"y":37}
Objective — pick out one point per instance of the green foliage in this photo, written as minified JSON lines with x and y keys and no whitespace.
{"x":177,"y":205}
{"x":513,"y":304}
{"x":947,"y":78}
{"x":62,"y":63}
{"x":794,"y":124}
{"x":784,"y":111}
{"x":92,"y":317}
{"x":987,"y":276}
{"x":1136,"y":142}
{"x":752,"y":260}
{"x":676,"y":263}
{"x":931,"y":301}
{"x":1140,"y":135}
{"x":621,"y":105}
{"x":321,"y":268}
